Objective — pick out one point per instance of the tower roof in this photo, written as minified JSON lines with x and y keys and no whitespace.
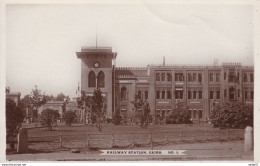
{"x":86,"y":50}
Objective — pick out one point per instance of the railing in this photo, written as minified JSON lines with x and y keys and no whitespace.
{"x":130,"y":140}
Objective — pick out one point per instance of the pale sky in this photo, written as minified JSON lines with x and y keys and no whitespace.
{"x":42,"y":40}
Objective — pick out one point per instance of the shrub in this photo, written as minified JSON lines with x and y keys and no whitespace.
{"x":117,"y":118}
{"x":49,"y":118}
{"x":179,"y":116}
{"x":232,"y":115}
{"x":69,"y":117}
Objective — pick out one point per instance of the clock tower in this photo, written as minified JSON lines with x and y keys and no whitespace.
{"x":97,"y":72}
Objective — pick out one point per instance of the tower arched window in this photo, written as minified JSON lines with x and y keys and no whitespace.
{"x":91,"y":79}
{"x":123,"y":93}
{"x":101,"y":79}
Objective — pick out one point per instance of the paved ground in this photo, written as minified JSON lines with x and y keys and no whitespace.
{"x":211,"y":151}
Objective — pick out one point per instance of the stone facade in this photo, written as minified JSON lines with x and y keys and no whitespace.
{"x":197,"y":87}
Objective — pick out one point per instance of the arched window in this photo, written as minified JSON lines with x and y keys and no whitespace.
{"x":91,"y":79}
{"x":232,"y":94}
{"x":101,"y":79}
{"x":123,"y":93}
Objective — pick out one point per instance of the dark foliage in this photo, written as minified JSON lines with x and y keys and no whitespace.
{"x":14,"y":118}
{"x":49,"y":117}
{"x":69,"y":117}
{"x":117,"y":118}
{"x":179,"y":116}
{"x":232,"y":115}
{"x":96,"y":104}
{"x":142,"y":105}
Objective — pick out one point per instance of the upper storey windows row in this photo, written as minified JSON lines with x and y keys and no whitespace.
{"x":233,"y":76}
{"x":248,"y":77}
{"x":214,"y":77}
{"x":230,"y":75}
{"x":163,"y":77}
{"x":195,"y":77}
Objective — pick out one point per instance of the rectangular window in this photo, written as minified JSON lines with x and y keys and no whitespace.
{"x":189,"y":94}
{"x":178,"y":77}
{"x":252,"y":95}
{"x":169,"y":77}
{"x":231,"y":77}
{"x":225,"y":93}
{"x":211,"y":94}
{"x":211,"y":77}
{"x":168,"y":94}
{"x":200,"y":113}
{"x":232,"y":94}
{"x":237,"y":76}
{"x":200,"y":77}
{"x":146,"y":94}
{"x":225,"y":76}
{"x":157,"y":76}
{"x":157,"y":94}
{"x":251,"y":77}
{"x":190,"y":113}
{"x":189,"y":77}
{"x":194,"y":94}
{"x":245,"y":77}
{"x":245,"y":94}
{"x":181,"y":94}
{"x":181,"y":78}
{"x":163,"y":77}
{"x":194,"y":77}
{"x":194,"y":113}
{"x":200,"y":94}
{"x":139,"y":94}
{"x":238,"y":93}
{"x":217,"y":77}
{"x":178,"y":94}
{"x":163,"y":94}
{"x":218,"y":94}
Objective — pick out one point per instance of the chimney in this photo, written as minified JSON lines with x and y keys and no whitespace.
{"x":163,"y":60}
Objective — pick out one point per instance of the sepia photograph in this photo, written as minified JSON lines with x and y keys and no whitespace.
{"x":129,"y":81}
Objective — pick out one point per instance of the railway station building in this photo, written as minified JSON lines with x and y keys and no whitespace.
{"x":196,"y":87}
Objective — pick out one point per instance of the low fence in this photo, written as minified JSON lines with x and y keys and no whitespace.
{"x":131,"y":140}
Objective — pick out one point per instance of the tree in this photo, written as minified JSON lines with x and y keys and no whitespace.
{"x":84,"y":103}
{"x":69,"y":117}
{"x":180,"y":115}
{"x":61,"y":97}
{"x":14,"y":118}
{"x":37,"y":99}
{"x":232,"y":115}
{"x":49,"y":117}
{"x":96,"y":104}
{"x":98,"y":108}
{"x":141,"y":104}
{"x":117,"y":118}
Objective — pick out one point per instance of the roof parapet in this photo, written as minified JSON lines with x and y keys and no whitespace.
{"x":96,"y":49}
{"x":231,"y":64}
{"x":131,"y":68}
{"x":133,"y":76}
{"x":185,"y":66}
